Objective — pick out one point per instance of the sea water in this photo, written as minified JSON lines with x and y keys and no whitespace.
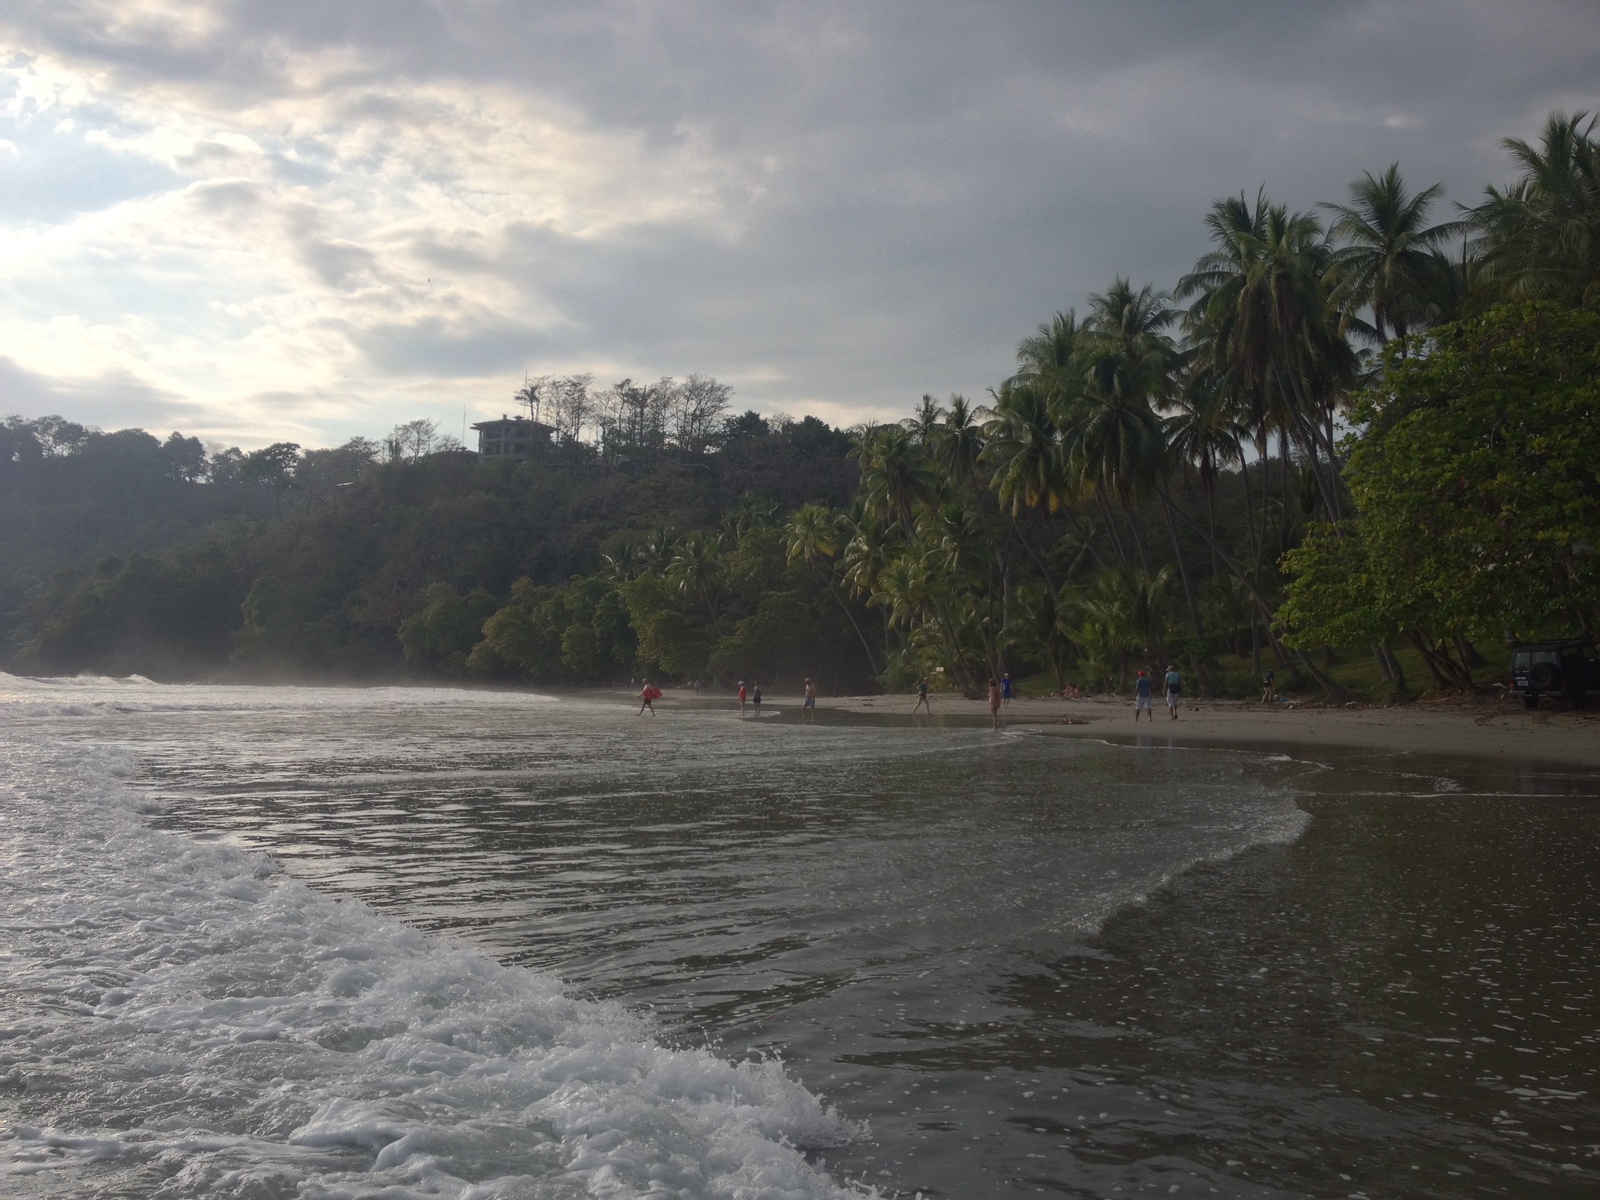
{"x":362,"y":942}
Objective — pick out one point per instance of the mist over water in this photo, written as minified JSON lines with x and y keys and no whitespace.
{"x":989,"y":964}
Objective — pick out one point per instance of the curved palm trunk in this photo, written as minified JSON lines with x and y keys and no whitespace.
{"x":1202,"y":668}
{"x":1038,"y":562}
{"x":1265,"y":609}
{"x":872,"y":666}
{"x":711,"y":608}
{"x":1111,"y":529}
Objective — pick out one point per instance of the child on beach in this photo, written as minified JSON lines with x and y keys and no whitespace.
{"x":922,"y":697}
{"x":1174,"y":691}
{"x":809,"y":711}
{"x":1005,"y":689}
{"x":994,"y":705}
{"x":1268,"y":693}
{"x":649,"y":695}
{"x":742,"y":696}
{"x":755,"y":697}
{"x":1141,"y":697}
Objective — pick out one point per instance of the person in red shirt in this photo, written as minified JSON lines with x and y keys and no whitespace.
{"x":650,"y":694}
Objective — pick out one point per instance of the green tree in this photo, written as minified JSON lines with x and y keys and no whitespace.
{"x":442,"y":634}
{"x":1474,"y":473}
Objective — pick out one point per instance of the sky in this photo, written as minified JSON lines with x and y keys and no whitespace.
{"x":305,"y":220}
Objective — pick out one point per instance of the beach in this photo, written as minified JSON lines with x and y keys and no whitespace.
{"x":298,"y":941}
{"x":1486,"y":727}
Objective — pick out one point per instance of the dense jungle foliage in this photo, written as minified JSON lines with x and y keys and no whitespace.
{"x":1362,"y":436}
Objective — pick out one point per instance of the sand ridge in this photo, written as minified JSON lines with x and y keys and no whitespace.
{"x":1480,"y":727}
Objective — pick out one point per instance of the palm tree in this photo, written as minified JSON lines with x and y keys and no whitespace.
{"x":696,"y":570}
{"x":1022,"y":441}
{"x":925,"y":423}
{"x":1049,"y":357}
{"x":870,"y":549}
{"x":1388,"y":252}
{"x":959,"y":549}
{"x":1111,"y":434}
{"x":1110,"y":431}
{"x":1263,"y":317}
{"x":813,"y":538}
{"x":1540,"y":238}
{"x":958,"y":443}
{"x":896,"y":476}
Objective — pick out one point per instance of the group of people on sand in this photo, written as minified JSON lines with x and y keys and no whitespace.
{"x":1001,"y":692}
{"x":1144,"y":685}
{"x":749,"y":694}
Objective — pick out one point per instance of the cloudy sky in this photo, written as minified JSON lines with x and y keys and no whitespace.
{"x":305,"y":219}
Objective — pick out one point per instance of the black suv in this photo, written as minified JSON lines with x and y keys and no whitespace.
{"x":1569,"y":669}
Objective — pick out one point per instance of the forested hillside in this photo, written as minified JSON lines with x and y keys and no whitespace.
{"x":1362,"y":438}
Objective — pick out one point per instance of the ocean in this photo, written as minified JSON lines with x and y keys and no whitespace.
{"x":292,"y":942}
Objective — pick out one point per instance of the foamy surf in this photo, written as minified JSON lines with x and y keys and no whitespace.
{"x":23,"y":696}
{"x":181,"y":1020}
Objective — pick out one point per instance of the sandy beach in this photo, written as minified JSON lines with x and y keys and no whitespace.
{"x":1483,"y":727}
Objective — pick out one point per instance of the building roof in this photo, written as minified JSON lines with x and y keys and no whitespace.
{"x":514,"y":423}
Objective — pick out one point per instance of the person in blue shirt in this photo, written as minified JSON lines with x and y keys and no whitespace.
{"x":1141,"y":697}
{"x":1006,"y":689}
{"x":1174,"y":691}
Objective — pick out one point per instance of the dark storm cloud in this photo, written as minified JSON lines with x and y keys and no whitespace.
{"x":935,"y":178}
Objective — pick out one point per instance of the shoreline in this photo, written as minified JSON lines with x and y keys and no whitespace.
{"x":1480,"y":727}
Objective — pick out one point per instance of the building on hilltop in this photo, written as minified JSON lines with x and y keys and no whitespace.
{"x":512,"y":437}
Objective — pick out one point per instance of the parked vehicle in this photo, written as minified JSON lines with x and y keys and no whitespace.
{"x":1570,"y":670}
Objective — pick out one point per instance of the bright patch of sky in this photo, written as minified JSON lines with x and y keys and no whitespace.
{"x":256,"y":221}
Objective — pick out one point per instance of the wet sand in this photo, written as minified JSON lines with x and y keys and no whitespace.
{"x":1478,"y":727}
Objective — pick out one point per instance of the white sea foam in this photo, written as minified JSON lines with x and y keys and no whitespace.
{"x":93,"y":695}
{"x":179,"y":1019}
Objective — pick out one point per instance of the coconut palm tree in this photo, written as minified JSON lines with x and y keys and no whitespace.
{"x":1049,"y":357}
{"x":958,"y":443}
{"x":1540,"y":238}
{"x":1024,"y":445}
{"x":924,"y":424}
{"x":1112,"y":441}
{"x":695,"y":569}
{"x":813,"y":538}
{"x":1388,"y":252}
{"x":896,"y":476}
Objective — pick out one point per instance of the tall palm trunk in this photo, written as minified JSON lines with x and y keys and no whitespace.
{"x":1111,"y":529}
{"x":872,"y":666}
{"x":1202,"y":668}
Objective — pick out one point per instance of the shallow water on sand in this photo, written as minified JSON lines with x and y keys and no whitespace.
{"x":1013,"y":964}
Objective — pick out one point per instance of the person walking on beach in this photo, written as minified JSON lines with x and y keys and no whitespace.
{"x":1268,"y":692}
{"x":742,"y":697}
{"x":809,"y":711}
{"x":755,"y":697}
{"x":922,"y":697}
{"x":994,"y":705}
{"x":1174,"y":691}
{"x":649,"y":695}
{"x":1141,"y":697}
{"x":1006,"y":689}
